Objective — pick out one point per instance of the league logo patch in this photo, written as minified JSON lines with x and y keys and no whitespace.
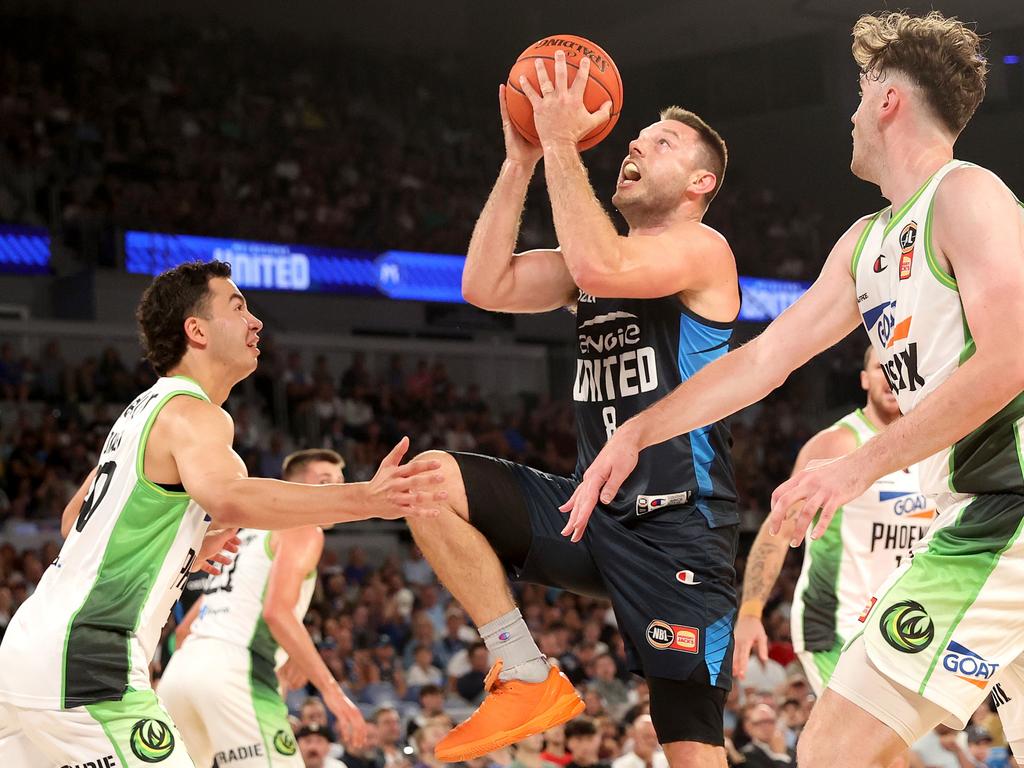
{"x":907,"y":627}
{"x":673,"y":637}
{"x":908,"y":236}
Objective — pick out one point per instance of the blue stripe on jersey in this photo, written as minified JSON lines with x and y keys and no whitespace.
{"x":716,"y":643}
{"x":700,"y":344}
{"x":890,"y":495}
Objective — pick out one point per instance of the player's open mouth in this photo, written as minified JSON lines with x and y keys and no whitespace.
{"x":254,"y":344}
{"x":630,"y":174}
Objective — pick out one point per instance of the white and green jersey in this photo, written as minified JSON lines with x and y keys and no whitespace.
{"x":233,"y":605}
{"x":89,"y":631}
{"x":867,"y":539}
{"x":912,"y":311}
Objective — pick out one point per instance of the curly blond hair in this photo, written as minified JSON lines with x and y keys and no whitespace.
{"x":942,"y":56}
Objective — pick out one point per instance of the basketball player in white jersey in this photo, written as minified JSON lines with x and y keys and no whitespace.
{"x":936,"y":279}
{"x":74,"y":662}
{"x":221,"y":687}
{"x":868,"y":539}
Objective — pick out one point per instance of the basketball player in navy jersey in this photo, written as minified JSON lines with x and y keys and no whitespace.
{"x":651,"y":309}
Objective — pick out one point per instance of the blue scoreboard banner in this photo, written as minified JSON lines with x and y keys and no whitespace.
{"x":392,"y":274}
{"x":764,"y":299}
{"x":24,"y":250}
{"x":283,"y":267}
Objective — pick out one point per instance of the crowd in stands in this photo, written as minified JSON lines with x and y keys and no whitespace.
{"x":59,"y":413}
{"x":204,"y":128}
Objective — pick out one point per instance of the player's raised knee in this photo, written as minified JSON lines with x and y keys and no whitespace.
{"x":449,"y":469}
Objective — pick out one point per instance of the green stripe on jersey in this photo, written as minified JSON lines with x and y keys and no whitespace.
{"x":908,"y":205}
{"x":139,"y":729}
{"x":97,"y":651}
{"x":855,"y":259}
{"x":262,"y":649}
{"x":97,"y":647}
{"x":988,"y":459}
{"x":821,"y":598}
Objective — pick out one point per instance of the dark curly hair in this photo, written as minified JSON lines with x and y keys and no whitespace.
{"x":173,"y":296}
{"x":942,"y":55}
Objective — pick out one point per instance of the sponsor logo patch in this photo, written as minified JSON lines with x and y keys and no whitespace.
{"x":108,"y":761}
{"x":239,"y":753}
{"x":686,"y":577}
{"x":907,"y":627}
{"x":908,"y":236}
{"x":968,"y":665}
{"x":999,"y":696}
{"x":673,"y":637}
{"x":284,"y":743}
{"x":867,"y":609}
{"x":645,"y":504}
{"x":151,"y":740}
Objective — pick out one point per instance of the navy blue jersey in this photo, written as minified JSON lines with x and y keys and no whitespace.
{"x":630,"y":354}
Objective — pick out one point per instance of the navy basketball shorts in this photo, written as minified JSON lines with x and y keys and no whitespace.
{"x":670,"y":578}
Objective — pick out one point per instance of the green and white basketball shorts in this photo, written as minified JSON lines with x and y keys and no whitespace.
{"x":134,"y":732}
{"x":819,"y":666}
{"x":222,"y":713}
{"x":949,"y":625}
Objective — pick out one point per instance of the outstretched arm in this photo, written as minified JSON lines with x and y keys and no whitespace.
{"x":495,"y":277}
{"x":826,"y":313}
{"x":769,"y":553}
{"x":978,"y":231}
{"x":296,"y":554}
{"x":200,"y":435}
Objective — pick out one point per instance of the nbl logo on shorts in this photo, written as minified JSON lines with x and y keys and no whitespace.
{"x":673,"y":637}
{"x":907,"y":627}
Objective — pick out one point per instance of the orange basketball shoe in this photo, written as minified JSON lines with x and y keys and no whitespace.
{"x":512,"y":711}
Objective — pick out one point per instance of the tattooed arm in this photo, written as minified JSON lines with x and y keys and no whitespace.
{"x":769,"y":552}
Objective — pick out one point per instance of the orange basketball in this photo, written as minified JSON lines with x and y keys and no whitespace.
{"x":604,"y":83}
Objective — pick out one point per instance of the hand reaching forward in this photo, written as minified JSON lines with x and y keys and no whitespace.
{"x":409,"y":490}
{"x":823,"y":487}
{"x":601,"y":481}
{"x":219,"y":549}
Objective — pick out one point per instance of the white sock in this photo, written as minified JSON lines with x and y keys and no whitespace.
{"x":509,"y":639}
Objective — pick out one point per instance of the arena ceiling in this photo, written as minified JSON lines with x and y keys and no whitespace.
{"x":649,"y":29}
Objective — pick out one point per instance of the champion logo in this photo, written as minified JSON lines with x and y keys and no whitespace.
{"x":504,"y":636}
{"x":880,"y":264}
{"x":686,"y":577}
